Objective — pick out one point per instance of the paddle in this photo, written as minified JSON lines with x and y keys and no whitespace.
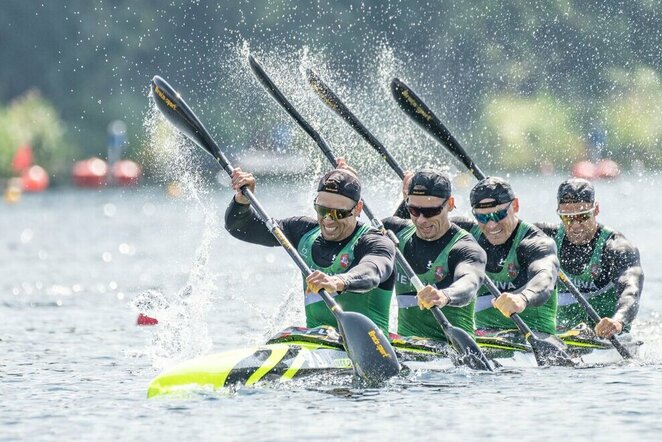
{"x":418,"y":111}
{"x":467,"y":349}
{"x":421,"y":114}
{"x":369,"y":350}
{"x":544,"y":351}
{"x":592,"y":314}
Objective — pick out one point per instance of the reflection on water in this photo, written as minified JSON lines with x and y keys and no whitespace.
{"x":75,"y":272}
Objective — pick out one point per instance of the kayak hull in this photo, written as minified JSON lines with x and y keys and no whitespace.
{"x":297,"y":352}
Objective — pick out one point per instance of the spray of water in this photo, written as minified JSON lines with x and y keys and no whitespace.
{"x":182,"y":331}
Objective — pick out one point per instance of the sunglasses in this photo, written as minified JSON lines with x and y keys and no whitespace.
{"x":580,"y":217}
{"x":427,"y":212}
{"x":484,"y":218}
{"x":334,"y":214}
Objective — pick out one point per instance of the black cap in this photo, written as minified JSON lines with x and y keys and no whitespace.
{"x":341,"y":182}
{"x":576,"y":190}
{"x":430,"y":183}
{"x":494,"y":188}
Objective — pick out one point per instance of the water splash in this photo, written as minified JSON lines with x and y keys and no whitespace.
{"x":649,"y":331}
{"x":182,"y":332}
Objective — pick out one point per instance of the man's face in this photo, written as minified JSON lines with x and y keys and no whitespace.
{"x":430,"y":215}
{"x":338,"y":224}
{"x":502,"y":220}
{"x":579,"y":220}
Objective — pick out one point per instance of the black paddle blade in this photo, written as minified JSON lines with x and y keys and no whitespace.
{"x":179,"y":114}
{"x":370,"y":351}
{"x":422,"y":115}
{"x":550,"y":350}
{"x":325,"y":93}
{"x":469,"y":353}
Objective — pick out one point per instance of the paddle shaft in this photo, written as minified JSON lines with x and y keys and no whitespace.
{"x":521,"y":325}
{"x":423,"y":116}
{"x":592,"y":314}
{"x":371,"y":353}
{"x":332,"y":100}
{"x":177,"y":112}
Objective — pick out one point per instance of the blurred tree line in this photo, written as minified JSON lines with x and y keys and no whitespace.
{"x":528,"y":80}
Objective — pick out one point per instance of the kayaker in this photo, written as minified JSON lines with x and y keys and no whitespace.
{"x":347,"y":256}
{"x":521,"y":260}
{"x":446,"y":258}
{"x":601,"y":262}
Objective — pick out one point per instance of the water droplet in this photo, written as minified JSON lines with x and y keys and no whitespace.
{"x":109,"y":210}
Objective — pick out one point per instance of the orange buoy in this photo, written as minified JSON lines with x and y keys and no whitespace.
{"x":13,"y":191}
{"x":90,"y":173}
{"x":34,"y":179}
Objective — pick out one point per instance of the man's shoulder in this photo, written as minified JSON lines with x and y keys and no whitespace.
{"x":550,"y":229}
{"x":374,"y":237}
{"x":466,"y":236}
{"x":536,"y":238}
{"x":533,"y":231}
{"x":296,"y":227}
{"x":396,"y":224}
{"x":300,"y":221}
{"x":618,"y":242}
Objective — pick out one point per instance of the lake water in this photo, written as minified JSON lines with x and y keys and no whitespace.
{"x":74,"y":366}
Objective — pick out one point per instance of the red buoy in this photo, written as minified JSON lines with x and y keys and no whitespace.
{"x":607,"y":169}
{"x":126,"y":173}
{"x":146,"y":320}
{"x":34,"y":179}
{"x":90,"y":173}
{"x":583,"y":169}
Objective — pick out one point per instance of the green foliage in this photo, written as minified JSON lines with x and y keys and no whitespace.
{"x":532,"y":131}
{"x":634,"y":116}
{"x":543,"y":69}
{"x":32,"y":120}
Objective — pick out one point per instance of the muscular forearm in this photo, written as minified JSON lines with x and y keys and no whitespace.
{"x":629,"y":285}
{"x":463,"y":290}
{"x":367,"y":274}
{"x":541,"y":282}
{"x":242,"y":222}
{"x":468,"y":259}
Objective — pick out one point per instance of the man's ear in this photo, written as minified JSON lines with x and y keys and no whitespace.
{"x":359,"y":208}
{"x":451,"y":203}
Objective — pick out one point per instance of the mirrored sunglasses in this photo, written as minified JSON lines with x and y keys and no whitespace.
{"x":334,"y":214}
{"x":580,"y":217}
{"x":484,"y":218}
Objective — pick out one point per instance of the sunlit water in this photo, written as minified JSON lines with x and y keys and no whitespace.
{"x":75,"y":366}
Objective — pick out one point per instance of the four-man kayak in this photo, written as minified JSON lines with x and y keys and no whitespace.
{"x":298,"y":351}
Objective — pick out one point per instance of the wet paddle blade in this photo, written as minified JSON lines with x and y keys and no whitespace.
{"x":469,"y":353}
{"x":370,"y":351}
{"x":550,"y":350}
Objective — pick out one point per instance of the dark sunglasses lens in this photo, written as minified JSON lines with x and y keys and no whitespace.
{"x":427,"y":212}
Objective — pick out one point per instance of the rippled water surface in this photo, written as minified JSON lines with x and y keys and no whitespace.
{"x":75,"y":366}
